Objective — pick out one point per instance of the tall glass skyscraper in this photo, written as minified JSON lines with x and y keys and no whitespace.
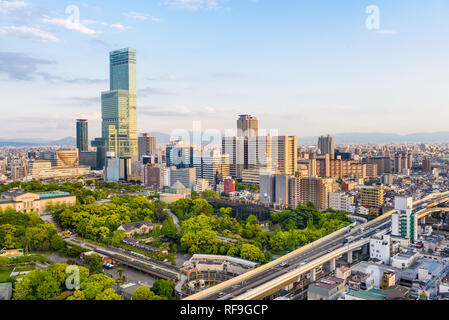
{"x":119,"y":105}
{"x":82,"y":135}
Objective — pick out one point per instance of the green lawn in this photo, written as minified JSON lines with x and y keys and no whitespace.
{"x":4,"y":275}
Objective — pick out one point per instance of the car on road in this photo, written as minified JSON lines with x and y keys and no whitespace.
{"x":284,"y":265}
{"x":221,"y":294}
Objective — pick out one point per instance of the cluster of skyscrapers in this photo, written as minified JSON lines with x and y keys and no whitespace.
{"x":286,"y":174}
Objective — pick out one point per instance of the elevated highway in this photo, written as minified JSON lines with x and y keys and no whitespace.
{"x":277,"y":284}
{"x":272,"y":277}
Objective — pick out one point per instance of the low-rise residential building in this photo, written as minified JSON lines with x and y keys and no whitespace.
{"x":327,"y":288}
{"x":404,"y":260}
{"x":140,"y":227}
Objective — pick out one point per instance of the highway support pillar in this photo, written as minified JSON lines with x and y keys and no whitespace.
{"x":313,"y":275}
{"x":332,"y":265}
{"x":349,"y":257}
{"x":365,"y":249}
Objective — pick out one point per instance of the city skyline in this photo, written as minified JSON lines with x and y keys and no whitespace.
{"x":287,"y":73}
{"x":224,"y":150}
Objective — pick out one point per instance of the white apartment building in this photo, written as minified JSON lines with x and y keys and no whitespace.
{"x":404,"y":222}
{"x":341,"y":201}
{"x":380,"y":248}
{"x":202,"y":185}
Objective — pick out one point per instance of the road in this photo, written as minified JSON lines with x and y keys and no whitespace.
{"x":121,"y":253}
{"x":299,"y":260}
{"x":253,"y":279}
{"x":173,"y":271}
{"x":175,"y":220}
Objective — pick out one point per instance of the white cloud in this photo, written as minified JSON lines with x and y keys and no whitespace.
{"x":93,"y":22}
{"x":141,"y":16}
{"x":120,"y":27}
{"x":210,"y":110}
{"x":194,"y":4}
{"x":386,"y":31}
{"x":178,"y":111}
{"x":70,"y":25}
{"x":6,"y":6}
{"x":182,"y":110}
{"x":29,"y":31}
{"x":171,"y":77}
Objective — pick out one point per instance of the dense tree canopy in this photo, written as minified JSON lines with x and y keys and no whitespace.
{"x":202,"y":229}
{"x":28,"y":231}
{"x":100,"y":221}
{"x":50,"y":283}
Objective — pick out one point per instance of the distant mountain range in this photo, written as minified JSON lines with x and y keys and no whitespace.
{"x":340,"y":138}
{"x":358,"y":138}
{"x":67,"y":141}
{"x":375,"y":137}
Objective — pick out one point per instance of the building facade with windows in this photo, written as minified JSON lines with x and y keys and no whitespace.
{"x":119,"y":105}
{"x":22,"y":201}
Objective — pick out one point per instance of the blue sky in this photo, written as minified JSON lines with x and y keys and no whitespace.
{"x":303,"y":67}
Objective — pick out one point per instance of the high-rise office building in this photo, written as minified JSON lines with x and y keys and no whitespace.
{"x":82,"y":135}
{"x":284,"y":154}
{"x":281,"y":195}
{"x":119,"y":106}
{"x":326,"y":145}
{"x":187,"y":176}
{"x":147,"y":145}
{"x":237,"y":149}
{"x":214,"y":167}
{"x":247,"y":126}
{"x":118,"y":169}
{"x":263,"y":152}
{"x":179,"y":154}
{"x":100,"y":144}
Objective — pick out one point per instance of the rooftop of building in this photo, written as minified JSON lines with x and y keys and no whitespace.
{"x":406,"y":255}
{"x":13,"y":193}
{"x":136,"y":225}
{"x":328,"y":283}
{"x":129,"y":288}
{"x":178,"y":185}
{"x":371,"y":294}
{"x":6,"y":291}
{"x":54,"y":194}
